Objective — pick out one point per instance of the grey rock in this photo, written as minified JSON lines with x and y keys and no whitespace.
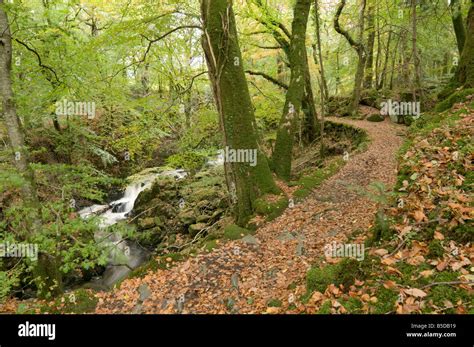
{"x":250,"y":240}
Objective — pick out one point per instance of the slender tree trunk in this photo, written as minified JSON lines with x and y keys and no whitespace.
{"x":310,"y":125}
{"x":46,"y":272}
{"x":394,"y":61}
{"x":458,"y":24}
{"x":283,"y":153}
{"x":369,"y":72}
{"x":359,"y":48}
{"x":382,"y":77}
{"x":323,"y":84}
{"x":14,"y":128}
{"x":416,"y":56}
{"x":237,"y":119}
{"x":378,"y":59}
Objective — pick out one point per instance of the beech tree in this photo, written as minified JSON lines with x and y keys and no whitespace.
{"x":47,"y":274}
{"x":458,"y":24}
{"x":465,"y":73}
{"x":237,"y":119}
{"x":283,"y":38}
{"x":283,"y":153}
{"x":358,"y":47}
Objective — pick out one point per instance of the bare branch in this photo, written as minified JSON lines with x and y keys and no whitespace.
{"x":268,"y":78}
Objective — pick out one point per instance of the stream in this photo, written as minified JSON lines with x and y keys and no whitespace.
{"x":126,"y":255}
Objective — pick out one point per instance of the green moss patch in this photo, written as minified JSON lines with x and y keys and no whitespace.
{"x":375,"y":118}
{"x":345,"y":273}
{"x":271,"y":210}
{"x":234,"y":232}
{"x":454,"y":98}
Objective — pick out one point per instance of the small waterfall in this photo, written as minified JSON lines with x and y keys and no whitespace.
{"x":127,"y":255}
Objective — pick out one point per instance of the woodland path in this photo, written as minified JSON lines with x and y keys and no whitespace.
{"x":243,"y":276}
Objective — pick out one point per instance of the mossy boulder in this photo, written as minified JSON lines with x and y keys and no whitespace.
{"x":195,"y":228}
{"x":203,"y":218}
{"x":454,"y":98}
{"x":234,"y":232}
{"x":146,"y":223}
{"x":187,"y":217}
{"x":376,"y":118}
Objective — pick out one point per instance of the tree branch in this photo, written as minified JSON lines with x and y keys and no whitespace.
{"x":268,"y":78}
{"x":40,"y":62}
{"x":356,"y":45}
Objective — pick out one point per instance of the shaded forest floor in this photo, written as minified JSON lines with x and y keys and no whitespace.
{"x":266,"y":272}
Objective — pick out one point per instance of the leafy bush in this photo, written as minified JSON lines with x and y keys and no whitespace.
{"x":189,"y":161}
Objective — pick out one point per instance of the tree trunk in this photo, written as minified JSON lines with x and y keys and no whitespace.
{"x":282,"y":37}
{"x":237,"y":119}
{"x":382,"y":77}
{"x":310,"y":125}
{"x":465,"y":73}
{"x":359,"y":48}
{"x":318,"y":57}
{"x":369,"y":72}
{"x":458,"y":24}
{"x":47,"y":278}
{"x":416,"y":57}
{"x":282,"y":155}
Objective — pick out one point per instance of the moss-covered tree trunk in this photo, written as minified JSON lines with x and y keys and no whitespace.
{"x":458,"y":24}
{"x":283,"y":152}
{"x":47,"y":276}
{"x":465,"y":74}
{"x":282,"y":36}
{"x":237,"y":119}
{"x":310,"y":127}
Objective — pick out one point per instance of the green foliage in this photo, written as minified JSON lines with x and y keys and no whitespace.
{"x":274,"y":303}
{"x":190,"y":161}
{"x":63,"y":236}
{"x":9,"y":280}
{"x":203,"y":133}
{"x":442,"y":292}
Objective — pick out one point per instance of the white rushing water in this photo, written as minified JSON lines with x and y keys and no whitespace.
{"x":126,"y":255}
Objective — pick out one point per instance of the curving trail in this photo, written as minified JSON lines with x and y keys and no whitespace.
{"x":242,"y":276}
